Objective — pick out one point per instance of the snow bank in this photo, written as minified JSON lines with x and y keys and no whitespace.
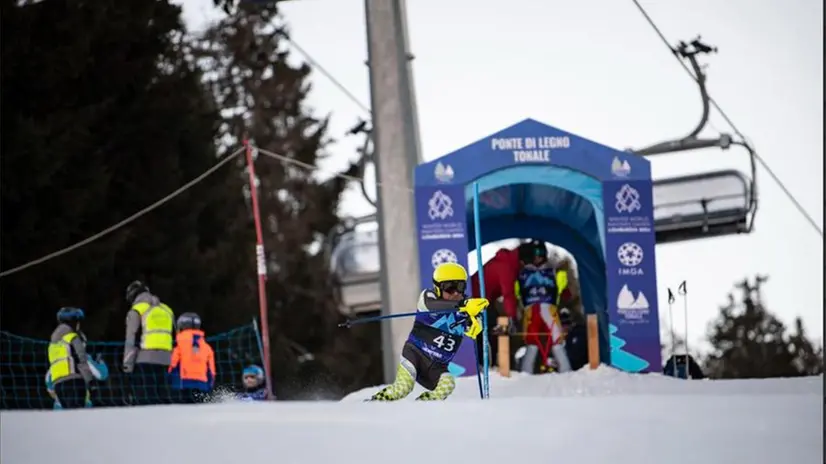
{"x":578,"y":418}
{"x":608,"y":381}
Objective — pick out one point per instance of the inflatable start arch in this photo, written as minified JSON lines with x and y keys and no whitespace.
{"x":540,"y":182}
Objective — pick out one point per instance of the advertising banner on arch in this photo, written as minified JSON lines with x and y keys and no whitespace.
{"x":442,"y":237}
{"x":631,"y":281}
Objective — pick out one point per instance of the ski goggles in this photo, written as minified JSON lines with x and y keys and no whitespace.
{"x":453,"y":286}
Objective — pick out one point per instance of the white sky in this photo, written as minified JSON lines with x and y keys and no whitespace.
{"x":598,"y":70}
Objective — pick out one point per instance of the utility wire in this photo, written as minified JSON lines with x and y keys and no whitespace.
{"x":315,"y":64}
{"x":731,"y":124}
{"x":310,"y":167}
{"x":126,"y":221}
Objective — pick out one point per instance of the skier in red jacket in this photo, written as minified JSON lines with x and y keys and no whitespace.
{"x":501,"y":274}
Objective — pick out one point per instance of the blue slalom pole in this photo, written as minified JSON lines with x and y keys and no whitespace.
{"x":480,"y":266}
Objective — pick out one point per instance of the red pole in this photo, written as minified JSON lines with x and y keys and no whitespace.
{"x":262,"y":269}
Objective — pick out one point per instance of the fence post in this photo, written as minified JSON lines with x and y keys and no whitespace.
{"x":593,"y":341}
{"x":503,"y":353}
{"x":262,"y":267}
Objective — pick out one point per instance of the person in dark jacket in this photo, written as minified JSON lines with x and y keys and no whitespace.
{"x":681,"y":365}
{"x":255,"y":386}
{"x":576,"y":339}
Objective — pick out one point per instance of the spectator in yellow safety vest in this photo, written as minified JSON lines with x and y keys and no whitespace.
{"x":68,"y":368}
{"x":148,"y":347}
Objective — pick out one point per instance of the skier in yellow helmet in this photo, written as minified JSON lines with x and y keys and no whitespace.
{"x":434,"y":341}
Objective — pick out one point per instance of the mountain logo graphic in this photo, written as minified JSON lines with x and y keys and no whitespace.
{"x":632,"y":307}
{"x":620,"y":168}
{"x":443,"y":173}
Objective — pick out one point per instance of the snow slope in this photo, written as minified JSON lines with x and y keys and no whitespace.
{"x":601,"y":416}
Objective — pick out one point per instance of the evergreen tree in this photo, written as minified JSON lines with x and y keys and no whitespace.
{"x":262,"y":97}
{"x":748,"y":341}
{"x":103,"y":116}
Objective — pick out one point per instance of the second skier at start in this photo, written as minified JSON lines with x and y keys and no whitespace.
{"x":436,"y":336}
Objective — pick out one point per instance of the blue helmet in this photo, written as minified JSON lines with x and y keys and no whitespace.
{"x":254,"y":371}
{"x":70,"y":315}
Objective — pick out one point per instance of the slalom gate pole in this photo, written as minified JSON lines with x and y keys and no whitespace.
{"x":262,"y":267}
{"x":672,"y":334}
{"x":683,"y":290}
{"x":351,"y":322}
{"x":485,"y":383}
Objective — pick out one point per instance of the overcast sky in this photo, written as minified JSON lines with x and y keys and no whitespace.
{"x":596,"y":68}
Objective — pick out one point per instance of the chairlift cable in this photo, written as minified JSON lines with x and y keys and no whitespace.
{"x":341,"y":87}
{"x":315,"y":64}
{"x":731,"y":124}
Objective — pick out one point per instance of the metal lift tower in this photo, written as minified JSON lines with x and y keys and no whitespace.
{"x":396,"y":145}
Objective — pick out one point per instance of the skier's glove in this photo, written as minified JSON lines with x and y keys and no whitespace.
{"x":475,"y":328}
{"x":474,"y":306}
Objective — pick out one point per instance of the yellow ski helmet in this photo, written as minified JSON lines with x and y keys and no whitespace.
{"x":449,"y":277}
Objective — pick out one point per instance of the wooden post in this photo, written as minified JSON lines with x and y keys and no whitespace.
{"x":593,"y":341}
{"x":503,"y":352}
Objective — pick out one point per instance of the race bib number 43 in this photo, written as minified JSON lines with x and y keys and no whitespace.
{"x":446,"y":342}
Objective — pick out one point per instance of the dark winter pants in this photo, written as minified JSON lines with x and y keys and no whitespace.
{"x":150,"y":385}
{"x":71,"y":393}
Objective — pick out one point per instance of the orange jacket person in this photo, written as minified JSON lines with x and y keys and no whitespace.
{"x":192,"y":371}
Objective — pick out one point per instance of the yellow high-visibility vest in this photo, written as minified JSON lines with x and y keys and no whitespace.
{"x":61,"y":362}
{"x":157,"y":324}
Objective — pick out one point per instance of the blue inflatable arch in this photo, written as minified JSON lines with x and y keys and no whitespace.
{"x":540,"y":182}
{"x":552,"y":204}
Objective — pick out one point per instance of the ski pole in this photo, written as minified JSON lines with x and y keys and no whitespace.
{"x":672,"y":334}
{"x":683,"y":291}
{"x":351,"y":322}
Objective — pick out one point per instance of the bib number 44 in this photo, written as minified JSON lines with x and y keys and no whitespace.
{"x":445,"y":343}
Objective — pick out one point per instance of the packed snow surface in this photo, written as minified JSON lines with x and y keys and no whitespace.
{"x":601,"y":416}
